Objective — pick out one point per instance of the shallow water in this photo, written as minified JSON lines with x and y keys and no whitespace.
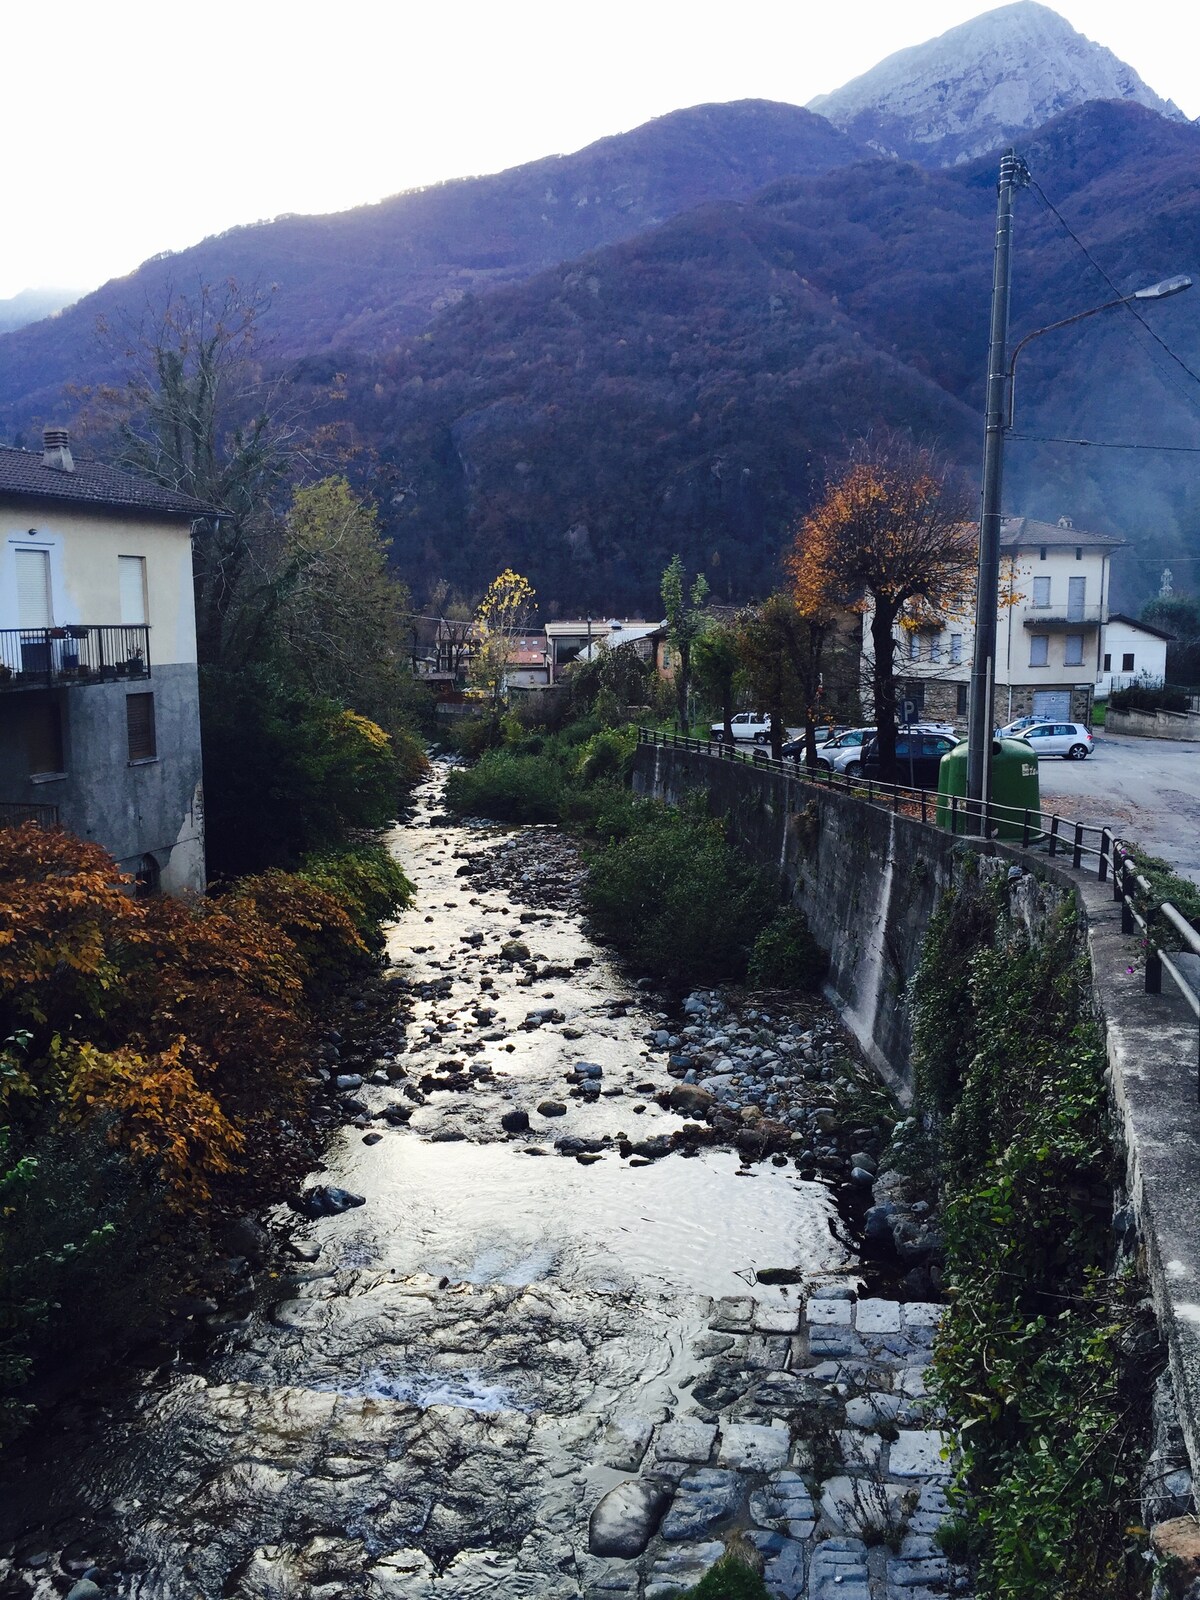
{"x":436,"y":1387}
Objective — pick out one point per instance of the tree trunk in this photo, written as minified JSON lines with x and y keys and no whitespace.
{"x":727,"y":710}
{"x":682,"y":675}
{"x":778,"y":732}
{"x":883,"y":683}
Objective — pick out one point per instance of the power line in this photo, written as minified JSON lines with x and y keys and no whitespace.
{"x":1129,"y":306}
{"x":1105,"y":444}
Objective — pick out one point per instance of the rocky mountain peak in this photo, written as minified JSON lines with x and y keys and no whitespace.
{"x":984,"y":82}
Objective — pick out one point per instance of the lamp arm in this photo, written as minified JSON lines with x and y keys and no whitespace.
{"x":1051,"y":327}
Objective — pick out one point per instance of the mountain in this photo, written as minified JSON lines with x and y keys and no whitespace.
{"x":980,"y":85}
{"x":368,"y":278}
{"x":31,"y":305}
{"x":686,"y":389}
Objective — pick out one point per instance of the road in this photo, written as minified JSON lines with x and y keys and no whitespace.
{"x":1147,"y":789}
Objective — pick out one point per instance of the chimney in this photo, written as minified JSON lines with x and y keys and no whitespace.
{"x":56,"y":450}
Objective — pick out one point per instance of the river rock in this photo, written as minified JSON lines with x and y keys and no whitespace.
{"x":552,"y":1108}
{"x":690,"y":1099}
{"x":85,"y":1589}
{"x":324,"y":1200}
{"x":514,"y":950}
{"x":515,"y":1122}
{"x":703,"y":1498}
{"x":627,"y":1518}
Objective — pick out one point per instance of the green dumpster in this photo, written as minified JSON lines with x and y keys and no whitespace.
{"x":1014,"y":787}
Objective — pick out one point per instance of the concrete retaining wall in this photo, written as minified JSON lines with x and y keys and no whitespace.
{"x":1154,"y":724}
{"x":868,"y":883}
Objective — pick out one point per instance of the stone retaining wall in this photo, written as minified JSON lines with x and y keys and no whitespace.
{"x":1154,"y":724}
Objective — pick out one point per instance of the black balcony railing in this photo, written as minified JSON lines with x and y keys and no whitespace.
{"x":78,"y":653}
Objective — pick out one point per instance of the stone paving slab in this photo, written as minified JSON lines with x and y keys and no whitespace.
{"x":921,"y":1314}
{"x":625,"y":1442}
{"x":823,"y":1313}
{"x":838,"y":1571}
{"x":733,"y":1314}
{"x":754,"y":1448}
{"x":704,"y":1497}
{"x":682,"y":1568}
{"x":685,"y":1439}
{"x":917,"y":1453}
{"x":877,"y":1316}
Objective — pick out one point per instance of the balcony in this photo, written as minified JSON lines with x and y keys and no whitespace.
{"x":1064,"y":617}
{"x":71,"y":656}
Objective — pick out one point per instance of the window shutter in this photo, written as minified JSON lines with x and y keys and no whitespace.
{"x":131,"y":572}
{"x":43,"y":737}
{"x":139,"y":719}
{"x":33,"y":588}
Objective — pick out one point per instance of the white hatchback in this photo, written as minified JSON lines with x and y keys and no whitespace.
{"x":1071,"y":740}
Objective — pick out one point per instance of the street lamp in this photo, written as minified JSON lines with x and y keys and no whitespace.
{"x":1001,"y":374}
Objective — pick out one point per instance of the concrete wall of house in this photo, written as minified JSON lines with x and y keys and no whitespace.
{"x":153,"y":807}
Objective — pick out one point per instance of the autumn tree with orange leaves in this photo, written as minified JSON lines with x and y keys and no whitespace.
{"x":894,"y":537}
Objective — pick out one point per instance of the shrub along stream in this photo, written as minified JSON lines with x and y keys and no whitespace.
{"x":1043,"y":1357}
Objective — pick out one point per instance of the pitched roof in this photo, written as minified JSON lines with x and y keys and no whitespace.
{"x":24,"y":476}
{"x":1017,"y":532}
{"x":1142,"y":627}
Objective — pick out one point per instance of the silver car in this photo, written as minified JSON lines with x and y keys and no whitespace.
{"x":1071,"y":740}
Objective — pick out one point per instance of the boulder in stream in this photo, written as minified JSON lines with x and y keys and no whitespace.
{"x":515,"y":1122}
{"x":324,"y":1200}
{"x":627,"y":1518}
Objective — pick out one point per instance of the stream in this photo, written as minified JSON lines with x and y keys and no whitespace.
{"x":432,"y":1403}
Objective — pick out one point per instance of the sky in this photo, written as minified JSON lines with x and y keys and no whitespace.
{"x":142,"y":126}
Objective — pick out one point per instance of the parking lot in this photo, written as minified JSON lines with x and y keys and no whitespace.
{"x":1148,"y":790}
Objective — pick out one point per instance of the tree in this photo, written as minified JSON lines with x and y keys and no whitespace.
{"x":340,"y":617}
{"x":502,"y":616}
{"x":716,"y":663}
{"x":685,"y":623}
{"x":1174,"y":613}
{"x":766,"y":664}
{"x":892,"y":536}
{"x":196,"y":415}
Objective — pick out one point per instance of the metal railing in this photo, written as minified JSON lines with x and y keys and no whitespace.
{"x":13,"y":813}
{"x":1030,"y":828}
{"x":78,"y":653}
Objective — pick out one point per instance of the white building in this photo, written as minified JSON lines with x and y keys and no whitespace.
{"x":99,"y":705}
{"x":1055,"y":583}
{"x":1130,"y":651}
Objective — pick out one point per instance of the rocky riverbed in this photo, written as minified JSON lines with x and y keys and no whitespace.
{"x":577,"y":1298}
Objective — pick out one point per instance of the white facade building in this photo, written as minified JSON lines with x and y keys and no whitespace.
{"x":1130,"y":651}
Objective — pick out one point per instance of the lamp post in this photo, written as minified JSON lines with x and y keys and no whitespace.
{"x":1001,"y":378}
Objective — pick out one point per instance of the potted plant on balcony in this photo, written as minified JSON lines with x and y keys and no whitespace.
{"x":76,"y":630}
{"x":134,"y":665}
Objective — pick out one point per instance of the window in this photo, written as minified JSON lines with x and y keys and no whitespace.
{"x":1039,"y":650}
{"x":33,"y":589}
{"x":131,"y":576}
{"x":960,"y":708}
{"x":1073,"y":650}
{"x":1042,"y":554}
{"x":43,"y":738}
{"x":139,"y":722}
{"x":1127,"y":661}
{"x":1076,"y":596}
{"x":914,"y":646}
{"x":956,"y":649}
{"x":1108,"y":663}
{"x":1041,"y":593}
{"x":1079,"y":552}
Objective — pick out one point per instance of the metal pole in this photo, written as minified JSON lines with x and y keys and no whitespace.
{"x":1013,"y":174}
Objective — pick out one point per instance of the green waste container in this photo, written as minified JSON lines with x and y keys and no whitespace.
{"x":1014,"y":785}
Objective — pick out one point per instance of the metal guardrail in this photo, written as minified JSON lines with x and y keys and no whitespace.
{"x":1059,"y":836}
{"x":79,"y":653}
{"x":14,"y":813}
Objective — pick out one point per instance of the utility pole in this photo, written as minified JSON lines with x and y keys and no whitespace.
{"x":1014,"y":174}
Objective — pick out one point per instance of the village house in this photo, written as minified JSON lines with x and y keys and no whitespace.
{"x":1132,"y":652}
{"x":1050,"y":647}
{"x":579,"y":640}
{"x":99,"y":703}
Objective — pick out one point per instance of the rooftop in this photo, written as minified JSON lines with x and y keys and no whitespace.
{"x":1023,"y":532}
{"x":24,"y":475}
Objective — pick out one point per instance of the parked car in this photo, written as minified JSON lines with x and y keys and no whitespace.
{"x":1071,"y":740}
{"x":1016,"y":728}
{"x":844,"y":747}
{"x":746,"y":725}
{"x":919,"y":754}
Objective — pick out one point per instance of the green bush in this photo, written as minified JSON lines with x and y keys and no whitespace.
{"x":607,"y":754}
{"x":1149,"y":697}
{"x":1030,"y":1360}
{"x":786,"y":956}
{"x":367,"y":881}
{"x":676,"y":900}
{"x":732,"y":1578}
{"x":472,"y":737}
{"x":507,"y":786}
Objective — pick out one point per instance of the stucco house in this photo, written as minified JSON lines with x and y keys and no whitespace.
{"x":1055,"y":583}
{"x":99,"y":704}
{"x":1131,"y":651}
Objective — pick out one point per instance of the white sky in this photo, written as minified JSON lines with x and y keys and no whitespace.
{"x":145,"y":125}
